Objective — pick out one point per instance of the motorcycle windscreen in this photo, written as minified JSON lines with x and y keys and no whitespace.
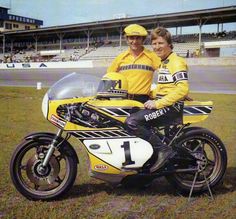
{"x":74,"y":85}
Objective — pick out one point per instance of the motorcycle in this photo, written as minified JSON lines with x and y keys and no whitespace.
{"x":44,"y":165}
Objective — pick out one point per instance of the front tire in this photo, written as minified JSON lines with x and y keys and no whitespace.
{"x":211,"y":153}
{"x":36,"y":183}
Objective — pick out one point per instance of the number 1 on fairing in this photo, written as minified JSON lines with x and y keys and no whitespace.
{"x":128,"y":160}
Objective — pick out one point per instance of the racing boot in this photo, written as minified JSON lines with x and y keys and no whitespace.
{"x":162,"y":153}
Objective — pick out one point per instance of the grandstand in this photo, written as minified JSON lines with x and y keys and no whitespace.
{"x":103,"y":39}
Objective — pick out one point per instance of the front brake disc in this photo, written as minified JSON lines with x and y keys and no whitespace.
{"x":40,"y":175}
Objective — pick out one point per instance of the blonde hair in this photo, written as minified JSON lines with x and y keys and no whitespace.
{"x":164,"y":33}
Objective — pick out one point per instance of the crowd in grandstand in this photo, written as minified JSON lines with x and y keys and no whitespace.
{"x":185,"y":45}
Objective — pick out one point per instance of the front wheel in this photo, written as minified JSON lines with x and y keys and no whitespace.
{"x":211,"y":154}
{"x":36,"y":182}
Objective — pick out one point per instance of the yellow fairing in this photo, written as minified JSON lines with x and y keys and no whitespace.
{"x":119,"y":109}
{"x":54,"y":104}
{"x":96,"y":104}
{"x":196,"y":111}
{"x":97,"y":165}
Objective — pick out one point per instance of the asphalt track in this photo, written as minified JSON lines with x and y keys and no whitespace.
{"x":205,"y":79}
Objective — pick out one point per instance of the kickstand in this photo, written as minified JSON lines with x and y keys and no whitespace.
{"x":191,"y":190}
{"x":194,"y":181}
{"x":208,"y":186}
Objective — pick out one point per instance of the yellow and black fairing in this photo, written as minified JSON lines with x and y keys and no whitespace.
{"x":59,"y":114}
{"x":196,"y":111}
{"x":193,"y":111}
{"x":116,"y":110}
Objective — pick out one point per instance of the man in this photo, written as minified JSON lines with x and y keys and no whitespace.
{"x":167,"y":106}
{"x":137,"y":63}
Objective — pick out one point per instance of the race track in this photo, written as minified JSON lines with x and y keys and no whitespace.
{"x":206,"y":79}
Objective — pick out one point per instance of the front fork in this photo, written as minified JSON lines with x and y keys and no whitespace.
{"x":52,"y":148}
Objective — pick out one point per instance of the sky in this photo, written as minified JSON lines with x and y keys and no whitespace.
{"x":63,"y":12}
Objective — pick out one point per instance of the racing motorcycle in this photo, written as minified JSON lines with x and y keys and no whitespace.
{"x":44,"y":165}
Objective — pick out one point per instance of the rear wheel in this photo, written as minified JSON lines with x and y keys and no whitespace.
{"x":211,"y":165}
{"x":36,"y":182}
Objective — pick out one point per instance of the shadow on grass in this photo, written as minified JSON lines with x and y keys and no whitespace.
{"x":229,"y":184}
{"x":159,"y":186}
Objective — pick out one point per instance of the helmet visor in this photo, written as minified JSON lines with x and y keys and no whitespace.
{"x":106,"y":86}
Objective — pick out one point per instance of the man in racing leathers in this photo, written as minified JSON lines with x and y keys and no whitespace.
{"x":137,"y":64}
{"x":166,"y":108}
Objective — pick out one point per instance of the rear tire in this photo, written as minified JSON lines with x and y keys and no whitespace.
{"x":206,"y":146}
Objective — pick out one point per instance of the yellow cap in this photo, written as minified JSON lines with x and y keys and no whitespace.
{"x":135,"y":30}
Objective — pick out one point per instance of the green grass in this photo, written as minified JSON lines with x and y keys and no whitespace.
{"x":20,"y":110}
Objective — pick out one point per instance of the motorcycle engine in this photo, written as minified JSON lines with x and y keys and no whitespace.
{"x":84,"y":116}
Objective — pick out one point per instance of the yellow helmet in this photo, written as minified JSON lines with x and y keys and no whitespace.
{"x":112,"y":85}
{"x":135,"y":30}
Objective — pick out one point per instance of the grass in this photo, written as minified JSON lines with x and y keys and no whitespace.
{"x":20,"y":110}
